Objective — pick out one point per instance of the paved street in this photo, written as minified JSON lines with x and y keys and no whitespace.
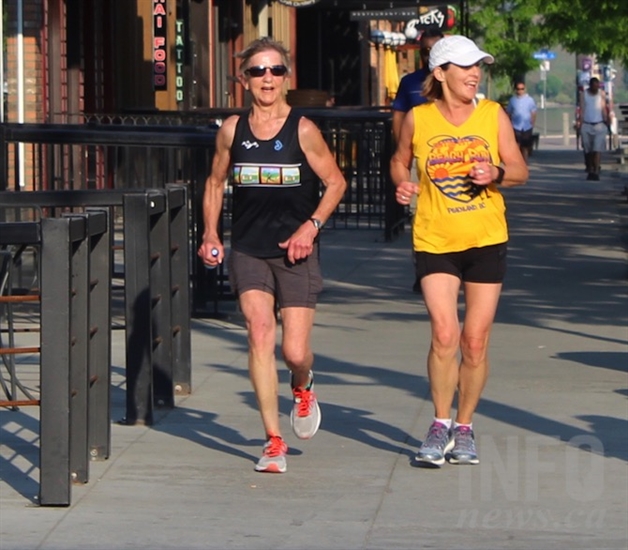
{"x":552,"y":428}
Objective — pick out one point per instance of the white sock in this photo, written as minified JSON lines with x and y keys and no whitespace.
{"x":446,"y":421}
{"x":457,"y":425}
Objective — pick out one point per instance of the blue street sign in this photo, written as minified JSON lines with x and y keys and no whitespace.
{"x":544,"y":55}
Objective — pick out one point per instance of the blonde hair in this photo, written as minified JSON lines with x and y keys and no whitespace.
{"x":262,"y":45}
{"x":432,"y":87}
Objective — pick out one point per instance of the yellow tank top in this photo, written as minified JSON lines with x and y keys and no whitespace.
{"x":453,"y":214}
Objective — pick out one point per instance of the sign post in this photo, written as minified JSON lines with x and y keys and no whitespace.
{"x":544,"y":56}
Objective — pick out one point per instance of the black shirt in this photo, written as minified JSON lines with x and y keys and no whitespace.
{"x":274,"y":188}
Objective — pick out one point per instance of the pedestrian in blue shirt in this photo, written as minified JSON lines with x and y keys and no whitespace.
{"x":522,"y":111}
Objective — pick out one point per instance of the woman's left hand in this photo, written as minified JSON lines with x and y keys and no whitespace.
{"x":301,"y":244}
{"x":482,"y":173}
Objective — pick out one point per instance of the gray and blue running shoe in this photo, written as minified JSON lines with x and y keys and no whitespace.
{"x":464,"y":451}
{"x":437,"y":444}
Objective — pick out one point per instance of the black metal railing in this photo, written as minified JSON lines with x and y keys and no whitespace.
{"x":74,"y":344}
{"x":156,"y":286}
{"x":129,"y":150}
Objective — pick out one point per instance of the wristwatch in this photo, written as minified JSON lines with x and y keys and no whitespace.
{"x":317,"y":223}
{"x":500,"y":175}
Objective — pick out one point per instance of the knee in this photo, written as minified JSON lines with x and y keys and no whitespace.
{"x":473,"y":350}
{"x":445,"y":341}
{"x":296,"y":356}
{"x":261,"y":335}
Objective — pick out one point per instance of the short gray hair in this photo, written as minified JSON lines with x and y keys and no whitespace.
{"x":262,"y":45}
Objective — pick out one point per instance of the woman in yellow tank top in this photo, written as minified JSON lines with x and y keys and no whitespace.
{"x":465,"y":150}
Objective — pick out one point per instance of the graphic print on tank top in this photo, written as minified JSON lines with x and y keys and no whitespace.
{"x":262,"y":174}
{"x":267,"y":174}
{"x":450,"y":161}
{"x":275,"y":189}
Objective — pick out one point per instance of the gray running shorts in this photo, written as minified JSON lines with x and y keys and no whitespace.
{"x":293,"y":285}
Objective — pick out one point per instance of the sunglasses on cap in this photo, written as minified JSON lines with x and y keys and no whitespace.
{"x":260,"y":70}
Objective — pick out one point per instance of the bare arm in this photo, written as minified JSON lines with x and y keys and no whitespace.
{"x":605,"y":108}
{"x":213,"y":194}
{"x":397,"y":121}
{"x":319,"y":157}
{"x":512,"y":162}
{"x":580,"y":111}
{"x":401,"y":162}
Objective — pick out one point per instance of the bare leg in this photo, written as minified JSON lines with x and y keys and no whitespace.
{"x":596,"y":160}
{"x":440,"y":291}
{"x":589,"y":161}
{"x":259,"y":313}
{"x":481,"y":304}
{"x":297,"y":325}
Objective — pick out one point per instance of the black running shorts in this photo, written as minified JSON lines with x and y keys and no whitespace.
{"x":475,"y":265}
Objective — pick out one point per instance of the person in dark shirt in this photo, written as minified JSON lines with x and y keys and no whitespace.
{"x":275,"y":161}
{"x":410,"y":91}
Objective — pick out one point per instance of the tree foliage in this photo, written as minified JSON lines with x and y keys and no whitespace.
{"x":507,"y":29}
{"x":512,"y":30}
{"x":587,"y":26}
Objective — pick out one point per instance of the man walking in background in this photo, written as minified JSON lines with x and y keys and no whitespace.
{"x":522,"y":111}
{"x":593,"y":126}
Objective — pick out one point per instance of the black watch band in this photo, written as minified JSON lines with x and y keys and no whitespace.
{"x":500,"y":175}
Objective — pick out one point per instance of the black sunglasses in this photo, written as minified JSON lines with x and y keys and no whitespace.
{"x":260,"y":70}
{"x":520,"y":88}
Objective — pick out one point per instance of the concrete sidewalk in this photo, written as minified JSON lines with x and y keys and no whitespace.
{"x":552,"y":427}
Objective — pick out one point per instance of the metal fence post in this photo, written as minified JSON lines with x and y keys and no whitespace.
{"x":56,"y":298}
{"x":180,"y":292}
{"x":79,"y":347}
{"x":161,"y":300}
{"x":139,"y":330}
{"x":99,"y":414}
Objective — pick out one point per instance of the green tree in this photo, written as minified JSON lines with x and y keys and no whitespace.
{"x":508,"y":30}
{"x":552,"y":86}
{"x":587,"y":26}
{"x":512,"y":30}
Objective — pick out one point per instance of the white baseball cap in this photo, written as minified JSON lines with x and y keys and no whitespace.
{"x":459,"y":50}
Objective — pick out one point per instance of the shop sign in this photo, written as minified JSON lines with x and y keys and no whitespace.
{"x":160,"y":55}
{"x":179,"y":53}
{"x":297,"y":3}
{"x":393,"y":14}
{"x":441,"y":16}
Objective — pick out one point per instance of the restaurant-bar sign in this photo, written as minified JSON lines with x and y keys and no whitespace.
{"x":297,"y":3}
{"x":160,"y":27}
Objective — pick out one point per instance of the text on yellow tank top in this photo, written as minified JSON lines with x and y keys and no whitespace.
{"x":453,"y":214}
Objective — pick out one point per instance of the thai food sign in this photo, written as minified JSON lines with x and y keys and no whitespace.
{"x":160,"y":52}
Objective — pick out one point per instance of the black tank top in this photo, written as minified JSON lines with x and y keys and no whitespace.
{"x":274,"y":188}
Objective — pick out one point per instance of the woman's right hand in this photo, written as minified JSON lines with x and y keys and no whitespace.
{"x":211,"y":253}
{"x":405,"y":191}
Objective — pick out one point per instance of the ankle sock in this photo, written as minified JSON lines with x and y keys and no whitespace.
{"x":446,"y":421}
{"x":457,"y":425}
